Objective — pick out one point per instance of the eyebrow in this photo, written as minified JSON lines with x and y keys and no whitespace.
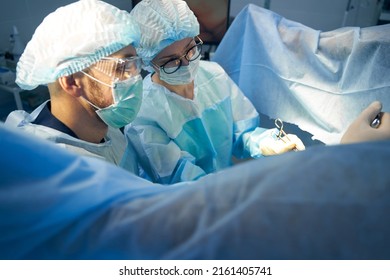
{"x":125,"y":55}
{"x":130,"y":55}
{"x":175,"y":55}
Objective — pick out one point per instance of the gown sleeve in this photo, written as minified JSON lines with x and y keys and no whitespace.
{"x":248,"y":136}
{"x":153,"y":145}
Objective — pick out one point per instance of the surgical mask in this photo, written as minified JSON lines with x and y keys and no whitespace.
{"x":184,"y":75}
{"x":127,"y":95}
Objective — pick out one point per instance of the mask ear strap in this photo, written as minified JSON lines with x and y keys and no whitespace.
{"x":90,"y":103}
{"x":93,"y":78}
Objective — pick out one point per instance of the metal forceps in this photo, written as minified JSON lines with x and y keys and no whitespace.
{"x":281,"y":134}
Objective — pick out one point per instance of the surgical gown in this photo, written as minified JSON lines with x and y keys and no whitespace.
{"x":179,"y":139}
{"x":317,"y":80}
{"x":111,"y":149}
{"x":316,"y":204}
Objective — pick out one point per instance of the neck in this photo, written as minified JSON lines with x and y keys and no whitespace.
{"x":186,"y":91}
{"x":81,"y":119}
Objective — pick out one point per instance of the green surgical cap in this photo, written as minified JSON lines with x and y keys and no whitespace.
{"x":73,"y":38}
{"x":162,"y":22}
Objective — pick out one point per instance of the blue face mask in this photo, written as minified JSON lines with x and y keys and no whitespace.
{"x":184,"y":75}
{"x":127,"y":96}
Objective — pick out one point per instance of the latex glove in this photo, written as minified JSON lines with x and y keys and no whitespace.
{"x":288,"y":143}
{"x":360,"y":130}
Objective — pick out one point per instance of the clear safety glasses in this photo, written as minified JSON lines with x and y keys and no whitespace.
{"x":191,"y":54}
{"x":118,"y":69}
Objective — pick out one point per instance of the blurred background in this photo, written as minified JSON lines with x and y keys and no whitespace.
{"x":19,"y":19}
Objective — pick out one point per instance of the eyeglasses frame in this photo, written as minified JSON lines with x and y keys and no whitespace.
{"x":197,"y":45}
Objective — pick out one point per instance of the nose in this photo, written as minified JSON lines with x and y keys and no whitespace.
{"x":184,"y":61}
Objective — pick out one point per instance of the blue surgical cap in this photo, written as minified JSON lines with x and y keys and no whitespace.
{"x":73,"y":38}
{"x":162,"y":22}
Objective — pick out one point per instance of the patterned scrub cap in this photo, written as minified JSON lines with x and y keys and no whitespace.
{"x":73,"y":38}
{"x":162,"y":22}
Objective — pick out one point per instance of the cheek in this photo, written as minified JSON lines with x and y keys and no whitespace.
{"x":101,"y":95}
{"x":106,"y":96}
{"x":105,"y":92}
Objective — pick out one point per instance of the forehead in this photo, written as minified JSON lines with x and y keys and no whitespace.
{"x":175,"y":49}
{"x":125,"y":52}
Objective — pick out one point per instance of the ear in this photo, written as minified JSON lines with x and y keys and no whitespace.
{"x":71,"y":84}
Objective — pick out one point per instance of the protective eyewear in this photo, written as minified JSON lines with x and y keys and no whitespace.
{"x":171,"y":66}
{"x":118,"y":69}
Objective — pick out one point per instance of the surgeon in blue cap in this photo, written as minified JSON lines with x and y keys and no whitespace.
{"x":193,"y":117}
{"x":84,"y":52}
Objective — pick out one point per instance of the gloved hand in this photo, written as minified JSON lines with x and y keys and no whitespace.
{"x":271,"y":146}
{"x":360,"y":130}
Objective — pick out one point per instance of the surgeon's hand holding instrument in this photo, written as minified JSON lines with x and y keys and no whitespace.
{"x":281,"y":142}
{"x":372,"y":124}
